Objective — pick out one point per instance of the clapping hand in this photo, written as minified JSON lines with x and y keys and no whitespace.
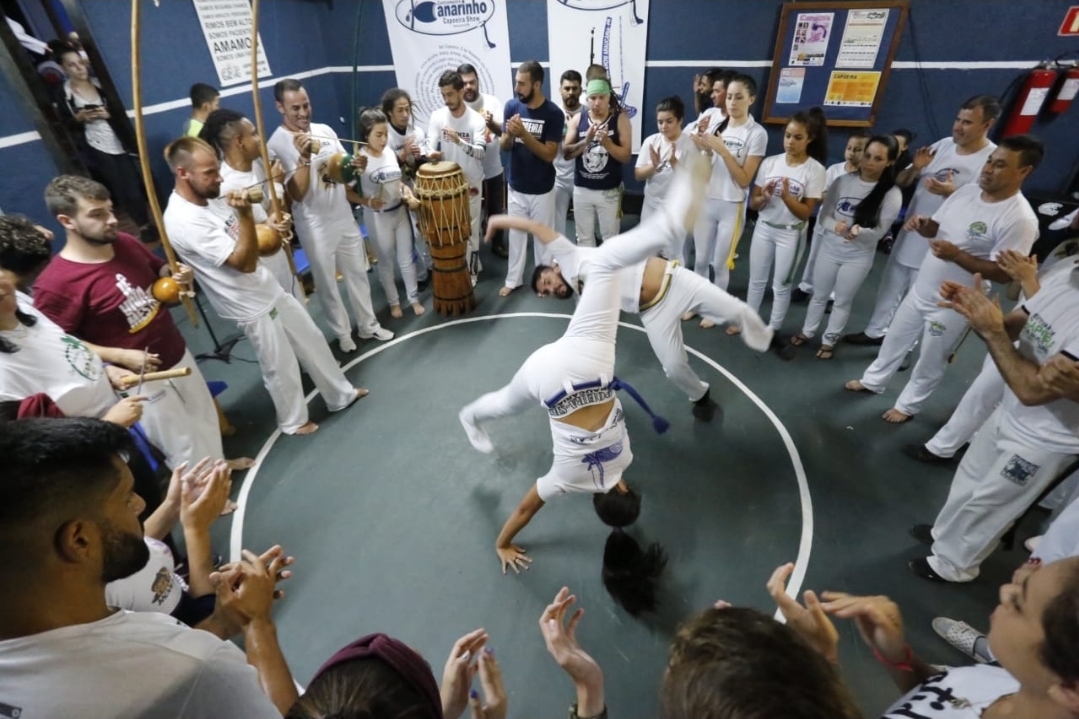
{"x":1060,"y":373}
{"x":809,"y":621}
{"x":878,"y":621}
{"x":468,"y":657}
{"x":1020,"y":267}
{"x":922,"y":157}
{"x":983,"y":314}
{"x":515,"y":127}
{"x":940,"y":187}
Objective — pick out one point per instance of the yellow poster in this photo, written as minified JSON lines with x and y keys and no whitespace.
{"x":852,"y":89}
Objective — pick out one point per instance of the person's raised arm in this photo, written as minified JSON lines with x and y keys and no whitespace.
{"x":622,"y":150}
{"x":949,"y":252}
{"x":202,"y":499}
{"x":300,"y":182}
{"x":922,"y":157}
{"x":245,"y":255}
{"x":1060,"y":373}
{"x":561,"y":641}
{"x":540,"y":231}
{"x":508,"y":553}
{"x":803,"y":208}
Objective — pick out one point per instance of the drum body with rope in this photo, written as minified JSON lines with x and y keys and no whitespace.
{"x":446,"y":225}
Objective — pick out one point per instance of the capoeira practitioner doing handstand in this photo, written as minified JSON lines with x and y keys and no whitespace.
{"x":573,"y":377}
{"x":660,"y":291}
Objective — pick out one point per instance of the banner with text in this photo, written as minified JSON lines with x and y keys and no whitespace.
{"x":612,"y":33}
{"x":227,"y":27}
{"x":429,"y":37}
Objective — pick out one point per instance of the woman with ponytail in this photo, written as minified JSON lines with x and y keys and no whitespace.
{"x":736,"y":147}
{"x":859,"y":210}
{"x":384,"y":212}
{"x":789,"y":187}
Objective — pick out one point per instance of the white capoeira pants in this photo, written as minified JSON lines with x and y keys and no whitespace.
{"x":806,"y":285}
{"x":333,"y":247}
{"x":715,"y":238}
{"x":535,"y":207}
{"x":779,"y":246}
{"x":676,"y":249}
{"x":585,"y":461}
{"x":895,"y":283}
{"x":981,"y":398}
{"x":844,"y":277}
{"x":998,"y":479}
{"x":689,"y":292}
{"x":1061,"y":540}
{"x":940,"y":331}
{"x":392,"y":235}
{"x":563,"y":193}
{"x":283,"y":338}
{"x":475,"y":208}
{"x":282,"y":272}
{"x":180,"y":418}
{"x":592,"y":206}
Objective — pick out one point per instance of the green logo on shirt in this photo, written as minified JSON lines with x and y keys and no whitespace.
{"x":80,"y":359}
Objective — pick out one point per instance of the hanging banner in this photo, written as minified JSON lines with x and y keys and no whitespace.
{"x":226,"y":24}
{"x":612,"y":33}
{"x":429,"y":37}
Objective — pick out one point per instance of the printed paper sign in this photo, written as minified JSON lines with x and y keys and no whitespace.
{"x":227,"y":27}
{"x":812,"y":31}
{"x":791,"y":80}
{"x":862,"y":38}
{"x":852,"y":89}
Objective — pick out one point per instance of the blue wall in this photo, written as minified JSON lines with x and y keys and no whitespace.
{"x":311,"y":35}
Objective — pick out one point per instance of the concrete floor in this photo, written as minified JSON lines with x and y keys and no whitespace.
{"x":392,"y":515}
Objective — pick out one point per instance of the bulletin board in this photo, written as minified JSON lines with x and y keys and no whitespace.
{"x":835,"y":55}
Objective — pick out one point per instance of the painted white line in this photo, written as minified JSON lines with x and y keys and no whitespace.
{"x":20,"y":139}
{"x":805,"y":542}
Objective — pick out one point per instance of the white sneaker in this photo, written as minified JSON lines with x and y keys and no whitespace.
{"x":477,"y":436}
{"x":381,"y":334}
{"x":960,"y":635}
{"x":347,"y":345}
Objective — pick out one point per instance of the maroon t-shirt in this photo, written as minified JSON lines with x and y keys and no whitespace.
{"x":111,"y":303}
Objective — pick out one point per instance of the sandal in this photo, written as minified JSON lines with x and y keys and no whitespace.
{"x":825,"y":352}
{"x":798,"y":340}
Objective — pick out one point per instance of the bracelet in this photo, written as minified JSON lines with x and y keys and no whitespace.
{"x":573,"y":713}
{"x":306,"y":163}
{"x":903,"y":666}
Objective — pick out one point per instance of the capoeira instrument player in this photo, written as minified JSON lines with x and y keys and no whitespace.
{"x":573,"y":377}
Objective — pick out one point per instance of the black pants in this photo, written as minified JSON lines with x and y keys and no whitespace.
{"x":494,"y":195}
{"x":120,"y":173}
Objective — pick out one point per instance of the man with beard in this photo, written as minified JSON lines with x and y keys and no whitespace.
{"x":324,"y":220}
{"x":533,"y":134}
{"x":570,"y":89}
{"x":68,"y":526}
{"x":457,"y":133}
{"x":100,"y":289}
{"x":217,"y":238}
{"x":494,"y":183}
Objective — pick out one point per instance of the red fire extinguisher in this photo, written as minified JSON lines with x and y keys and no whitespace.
{"x":1066,"y":91}
{"x":1029,"y":102}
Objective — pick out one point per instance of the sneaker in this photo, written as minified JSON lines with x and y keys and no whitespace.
{"x":381,"y":334}
{"x":960,"y":635}
{"x":347,"y":345}
{"x":861,"y":338}
{"x":476,"y":436}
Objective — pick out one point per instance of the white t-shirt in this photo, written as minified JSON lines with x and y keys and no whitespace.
{"x":834,"y":172}
{"x":959,"y":693}
{"x":715,"y":115}
{"x":574,"y":262}
{"x":564,"y":168}
{"x":396,"y":140}
{"x":746,"y":140}
{"x":983,"y":229}
{"x":236,"y":180}
{"x":52,"y":362}
{"x":154,"y":588}
{"x":325,"y":204}
{"x":382,"y":179}
{"x":131,"y":665}
{"x":205,"y":236}
{"x":492,"y":157}
{"x":471,"y":129}
{"x":1052,"y":327}
{"x":910,"y":247}
{"x":844,"y":196}
{"x":806,"y":181}
{"x":655,"y":188}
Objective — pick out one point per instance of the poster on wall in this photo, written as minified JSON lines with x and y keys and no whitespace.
{"x":791,"y":81}
{"x":429,"y":37}
{"x":812,"y":31}
{"x":612,"y":33}
{"x":862,"y":37}
{"x":852,"y":89}
{"x":226,"y":24}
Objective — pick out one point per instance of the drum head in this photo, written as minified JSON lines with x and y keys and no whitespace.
{"x":437,"y":169}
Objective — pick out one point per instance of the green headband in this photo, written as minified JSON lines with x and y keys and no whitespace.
{"x":598,"y":86}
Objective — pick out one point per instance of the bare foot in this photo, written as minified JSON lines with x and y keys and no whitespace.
{"x":230,"y":507}
{"x":417,"y":309}
{"x":707,"y":324}
{"x":395,"y":312}
{"x":309,"y":428}
{"x":733,"y":330}
{"x":240,"y":463}
{"x":855,"y":385}
{"x":505,"y":291}
{"x":894,"y":416}
{"x":688,"y":316}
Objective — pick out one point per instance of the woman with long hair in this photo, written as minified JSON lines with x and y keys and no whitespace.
{"x":860,"y":208}
{"x":788,"y":188}
{"x":405,"y":139}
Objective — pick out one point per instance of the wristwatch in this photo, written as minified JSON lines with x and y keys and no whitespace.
{"x":573,"y":713}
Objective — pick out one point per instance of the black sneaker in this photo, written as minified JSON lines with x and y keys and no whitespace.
{"x":863,"y":339}
{"x":800,"y":296}
{"x":922,"y":569}
{"x":922,"y":532}
{"x":922,"y":454}
{"x":783,"y":348}
{"x":704,"y":408}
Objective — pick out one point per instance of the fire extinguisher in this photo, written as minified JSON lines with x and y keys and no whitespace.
{"x":1066,"y":91}
{"x":1029,"y":102}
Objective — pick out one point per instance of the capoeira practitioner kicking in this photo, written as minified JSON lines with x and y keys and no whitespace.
{"x":660,"y":291}
{"x":573,"y":377}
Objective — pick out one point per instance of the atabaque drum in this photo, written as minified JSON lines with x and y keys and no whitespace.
{"x":446,"y":225}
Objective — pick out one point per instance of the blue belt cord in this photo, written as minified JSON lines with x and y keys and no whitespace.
{"x":660,"y":424}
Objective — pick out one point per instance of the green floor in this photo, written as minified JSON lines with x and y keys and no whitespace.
{"x":392,"y":515}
